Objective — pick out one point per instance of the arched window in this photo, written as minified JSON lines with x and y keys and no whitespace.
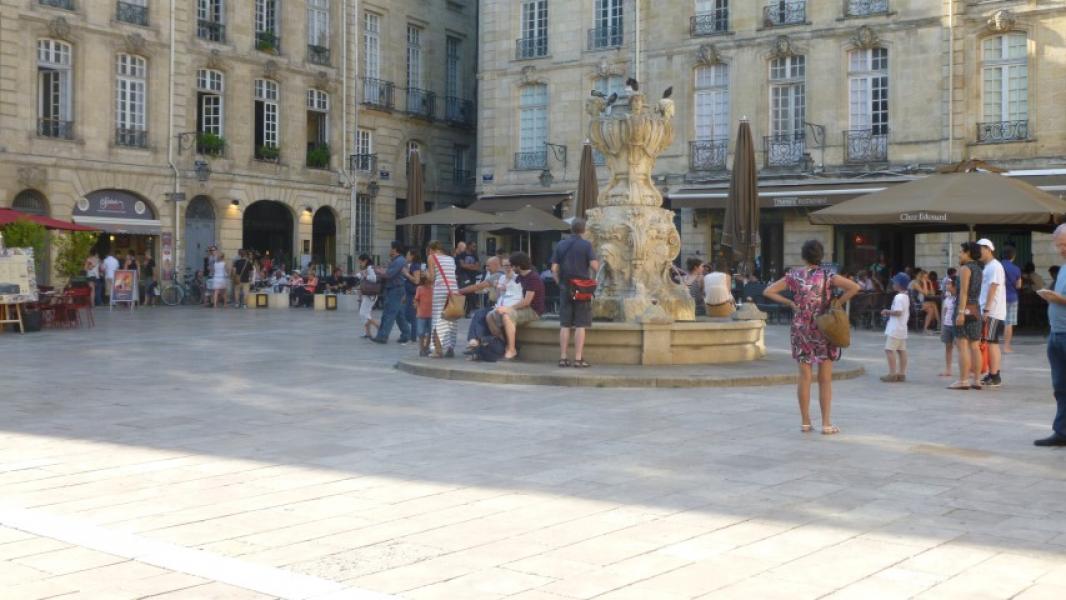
{"x":31,"y":202}
{"x":131,"y":90}
{"x":1005,"y":88}
{"x":55,"y":114}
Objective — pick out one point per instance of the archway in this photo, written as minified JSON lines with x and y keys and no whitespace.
{"x":199,"y":230}
{"x":268,"y":227}
{"x":33,"y":202}
{"x":324,"y":237}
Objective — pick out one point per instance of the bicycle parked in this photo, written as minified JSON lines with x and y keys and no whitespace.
{"x":189,"y":291}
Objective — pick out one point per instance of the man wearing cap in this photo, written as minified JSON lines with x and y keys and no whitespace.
{"x":993,"y":308}
{"x":1056,"y":346}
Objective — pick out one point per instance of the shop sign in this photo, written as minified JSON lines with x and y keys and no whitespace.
{"x":124,"y":289}
{"x":797,"y":202}
{"x":923,"y":217}
{"x":113,"y":204}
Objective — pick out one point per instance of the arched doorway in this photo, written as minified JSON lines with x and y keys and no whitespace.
{"x":33,"y":202}
{"x":199,"y":230}
{"x":324,"y":237}
{"x":268,"y":227}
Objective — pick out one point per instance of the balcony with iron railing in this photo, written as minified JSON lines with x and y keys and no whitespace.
{"x":863,"y":146}
{"x":133,"y":138}
{"x":708,"y":155}
{"x":131,"y":13}
{"x":211,"y":31}
{"x":710,"y":23}
{"x":459,"y":112}
{"x":605,"y":36}
{"x":64,"y":4}
{"x":379,"y":94}
{"x":531,"y":161}
{"x":785,"y":149}
{"x":364,"y":163}
{"x":318,"y":55}
{"x":535,"y":47}
{"x":268,"y":41}
{"x":865,"y":8}
{"x":1002,"y":131}
{"x":421,"y":103}
{"x":777,"y":14}
{"x":55,"y":128}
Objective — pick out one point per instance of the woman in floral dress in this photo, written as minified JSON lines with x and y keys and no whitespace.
{"x":811,"y":287}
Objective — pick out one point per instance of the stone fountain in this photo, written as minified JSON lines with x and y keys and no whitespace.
{"x":643,"y":316}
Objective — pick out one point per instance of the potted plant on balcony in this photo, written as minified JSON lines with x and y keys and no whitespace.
{"x":266,"y":152}
{"x":318,"y":156}
{"x":266,"y":41}
{"x":210,"y":144}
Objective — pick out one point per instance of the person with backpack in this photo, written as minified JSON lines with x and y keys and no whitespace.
{"x":574,"y":260}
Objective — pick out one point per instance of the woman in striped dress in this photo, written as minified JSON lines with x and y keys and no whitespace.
{"x":442,"y":272}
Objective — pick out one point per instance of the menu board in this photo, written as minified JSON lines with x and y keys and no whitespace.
{"x":16,"y":268}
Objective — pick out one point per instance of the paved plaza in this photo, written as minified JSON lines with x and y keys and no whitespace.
{"x":191,"y":453}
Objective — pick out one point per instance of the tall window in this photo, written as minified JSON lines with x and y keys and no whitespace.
{"x":1005,"y":88}
{"x":210,"y":19}
{"x":533,"y":127}
{"x":130,"y":100}
{"x":210,"y":113}
{"x":787,"y":95}
{"x":318,"y":31}
{"x":453,"y":68}
{"x":868,"y":83}
{"x":461,"y":164}
{"x":608,"y":22}
{"x":372,"y":45}
{"x":54,"y":103}
{"x":414,"y":56}
{"x":534,"y":27}
{"x":364,"y":225}
{"x":712,"y":102}
{"x":267,"y":25}
{"x":318,"y":117}
{"x":266,"y":119}
{"x":364,"y":151}
{"x":712,"y":16}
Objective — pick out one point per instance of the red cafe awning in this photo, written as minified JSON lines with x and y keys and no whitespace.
{"x":10,"y":215}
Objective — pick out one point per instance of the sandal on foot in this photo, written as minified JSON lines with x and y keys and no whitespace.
{"x":959,"y":385}
{"x":805,"y":428}
{"x":564,"y":363}
{"x":581,"y":363}
{"x":830,"y":430}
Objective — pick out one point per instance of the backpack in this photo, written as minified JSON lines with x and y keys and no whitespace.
{"x":491,"y":349}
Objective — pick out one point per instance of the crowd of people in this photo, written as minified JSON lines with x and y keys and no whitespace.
{"x":100,"y":268}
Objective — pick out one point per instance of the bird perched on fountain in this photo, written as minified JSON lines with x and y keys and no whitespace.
{"x":669,"y":92}
{"x":598,"y":94}
{"x":666,"y":107}
{"x":632,"y":85}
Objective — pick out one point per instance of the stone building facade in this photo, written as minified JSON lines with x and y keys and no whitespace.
{"x":844,"y":97}
{"x":230,"y":123}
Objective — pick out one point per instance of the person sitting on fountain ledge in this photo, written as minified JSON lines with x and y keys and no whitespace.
{"x":528,"y":309}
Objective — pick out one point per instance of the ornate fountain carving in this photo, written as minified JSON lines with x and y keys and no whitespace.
{"x":634,"y":236}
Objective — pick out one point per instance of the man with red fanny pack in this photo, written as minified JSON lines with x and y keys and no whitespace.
{"x":572,"y":264}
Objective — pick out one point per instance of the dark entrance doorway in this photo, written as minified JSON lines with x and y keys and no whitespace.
{"x":268,"y":230}
{"x":199,"y":231}
{"x":324,"y":238}
{"x":859,"y":248}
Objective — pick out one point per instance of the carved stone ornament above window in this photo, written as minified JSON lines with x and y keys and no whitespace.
{"x":59,"y":29}
{"x":32,"y":177}
{"x":529,"y":76}
{"x":1001,"y":21}
{"x":270,"y":69}
{"x":708,"y":55}
{"x":865,"y":38}
{"x":323,"y":82}
{"x":782,"y":47}
{"x":215,"y":61}
{"x":606,"y":68}
{"x":134,"y":43}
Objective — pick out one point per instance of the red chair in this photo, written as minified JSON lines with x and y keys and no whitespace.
{"x":80,"y":299}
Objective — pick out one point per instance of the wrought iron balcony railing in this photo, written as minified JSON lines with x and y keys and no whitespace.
{"x":211,"y":31}
{"x":319,"y":55}
{"x":531,"y":161}
{"x":862,"y":146}
{"x":865,"y":8}
{"x":421,"y":103}
{"x":535,"y":47}
{"x":379,"y":93}
{"x":267,"y":41}
{"x":780,"y":13}
{"x":463,"y":177}
{"x":365,"y":163}
{"x":131,"y":13}
{"x":708,"y":155}
{"x":55,"y":128}
{"x":1002,"y":131}
{"x":784,"y":150}
{"x":64,"y":4}
{"x":710,"y":23}
{"x":134,"y":138}
{"x":609,"y":36}
{"x":459,"y":112}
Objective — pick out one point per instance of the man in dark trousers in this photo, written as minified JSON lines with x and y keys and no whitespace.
{"x":394,"y":296}
{"x":574,"y":258}
{"x":1056,"y":346}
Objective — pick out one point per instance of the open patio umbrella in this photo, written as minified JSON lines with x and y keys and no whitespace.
{"x":587,"y":185}
{"x":10,"y":215}
{"x":958,"y":198}
{"x":740,"y":230}
{"x":451,"y":216}
{"x":415,"y":198}
{"x":527,"y":220}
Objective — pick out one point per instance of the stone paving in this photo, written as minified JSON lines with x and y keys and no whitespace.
{"x":189,"y":453}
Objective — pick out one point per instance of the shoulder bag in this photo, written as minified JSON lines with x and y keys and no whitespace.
{"x":455,"y":305}
{"x":581,"y":290}
{"x":368,"y":287}
{"x":834,"y":323}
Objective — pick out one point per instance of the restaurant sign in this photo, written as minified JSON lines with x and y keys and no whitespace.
{"x":113,"y":204}
{"x":923,"y":217}
{"x":797,"y":202}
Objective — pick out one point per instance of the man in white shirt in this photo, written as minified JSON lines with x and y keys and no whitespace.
{"x":110,"y":265}
{"x":993,"y":308}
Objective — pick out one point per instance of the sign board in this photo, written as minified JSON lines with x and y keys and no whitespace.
{"x":124,"y":288}
{"x":17,"y":269}
{"x":922,"y":216}
{"x":166,"y":242}
{"x":798,"y":202}
{"x":113,"y":204}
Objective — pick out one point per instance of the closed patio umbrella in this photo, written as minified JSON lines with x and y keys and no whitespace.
{"x":415,"y":198}
{"x":587,"y":185}
{"x":740,"y":230}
